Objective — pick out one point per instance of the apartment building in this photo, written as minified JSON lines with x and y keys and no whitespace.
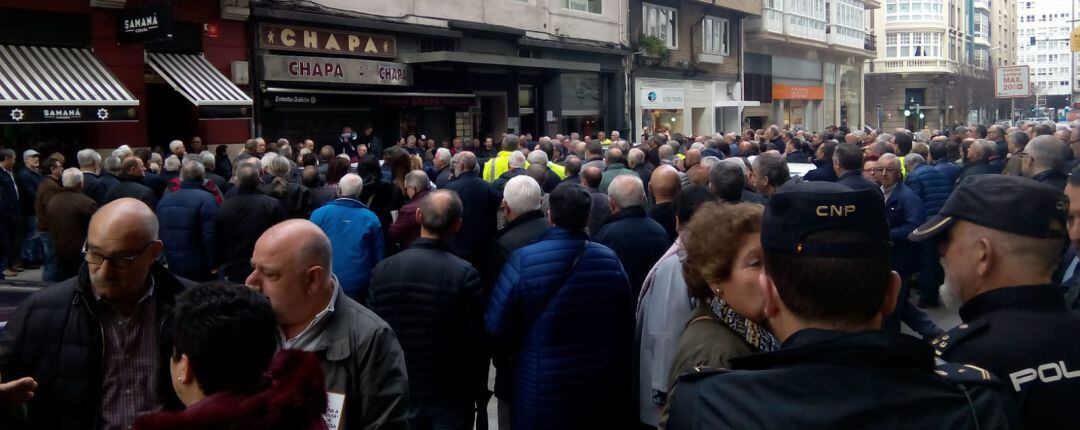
{"x":1043,"y":29}
{"x":936,"y":67}
{"x":804,"y":63}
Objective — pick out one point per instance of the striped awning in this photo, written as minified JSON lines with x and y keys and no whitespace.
{"x":53,"y":76}
{"x":197,"y":80}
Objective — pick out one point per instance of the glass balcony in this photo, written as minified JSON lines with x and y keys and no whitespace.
{"x":844,"y":36}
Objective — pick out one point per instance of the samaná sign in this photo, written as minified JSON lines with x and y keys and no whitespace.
{"x":1012,"y":81}
{"x":305,"y":39}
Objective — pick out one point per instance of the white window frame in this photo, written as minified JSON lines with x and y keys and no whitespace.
{"x":652,"y":17}
{"x":583,"y":5}
{"x":715,"y":35}
{"x":904,"y":44}
{"x":914,"y":10}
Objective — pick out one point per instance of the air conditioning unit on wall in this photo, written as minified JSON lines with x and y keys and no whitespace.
{"x":240,"y":73}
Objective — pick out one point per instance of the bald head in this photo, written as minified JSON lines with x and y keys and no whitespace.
{"x":308,"y":245}
{"x":664,"y":184}
{"x":693,"y":157}
{"x":123,"y":228}
{"x":614,"y":155}
{"x":592,"y":176}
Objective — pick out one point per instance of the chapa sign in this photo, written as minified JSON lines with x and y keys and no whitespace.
{"x":145,"y":24}
{"x":304,"y":39}
{"x":334,"y":70}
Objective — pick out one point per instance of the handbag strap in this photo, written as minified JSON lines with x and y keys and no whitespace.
{"x":543,"y":303}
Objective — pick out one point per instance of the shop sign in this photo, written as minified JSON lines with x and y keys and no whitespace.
{"x":334,"y":70}
{"x":58,"y":114}
{"x":792,"y":92}
{"x":1013,"y":81}
{"x":145,"y":24}
{"x":663,"y":98}
{"x":305,"y":39}
{"x":448,"y":102}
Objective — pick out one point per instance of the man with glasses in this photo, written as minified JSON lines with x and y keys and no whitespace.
{"x":94,"y":343}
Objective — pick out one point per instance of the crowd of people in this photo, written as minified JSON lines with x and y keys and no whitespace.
{"x":684,"y":282}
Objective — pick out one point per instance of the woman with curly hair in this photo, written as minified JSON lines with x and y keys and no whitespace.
{"x":723,"y":262}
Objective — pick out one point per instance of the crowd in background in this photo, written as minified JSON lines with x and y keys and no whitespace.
{"x":602,"y":279}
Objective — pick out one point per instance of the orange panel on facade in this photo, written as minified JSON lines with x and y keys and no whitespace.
{"x":789,"y":92}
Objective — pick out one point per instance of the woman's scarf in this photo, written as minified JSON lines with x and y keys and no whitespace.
{"x":758,"y":338}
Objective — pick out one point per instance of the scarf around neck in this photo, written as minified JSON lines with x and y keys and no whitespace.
{"x":758,"y":338}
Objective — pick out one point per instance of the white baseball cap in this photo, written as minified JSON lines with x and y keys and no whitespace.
{"x":29,"y":153}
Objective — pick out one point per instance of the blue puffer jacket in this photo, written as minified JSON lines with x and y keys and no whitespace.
{"x":932,"y":187}
{"x":905,"y":213}
{"x":569,"y":361}
{"x":186,"y":218}
{"x":357,"y":240}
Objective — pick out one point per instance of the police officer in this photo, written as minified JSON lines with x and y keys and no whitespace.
{"x":1001,"y":238}
{"x":826,"y":288}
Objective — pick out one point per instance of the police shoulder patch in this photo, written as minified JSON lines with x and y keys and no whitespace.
{"x":957,"y":373}
{"x":958,"y":334}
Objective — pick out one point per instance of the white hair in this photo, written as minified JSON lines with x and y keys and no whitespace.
{"x":522,"y":194}
{"x":266,"y":159}
{"x":627,"y":191}
{"x":635,"y":157}
{"x":174,"y":145}
{"x":709,"y":162}
{"x":71,"y":177}
{"x":443,"y":154}
{"x":698,"y":146}
{"x":172,"y":163}
{"x":912,"y":160}
{"x":88,"y":158}
{"x":538,"y":157}
{"x":890,"y":158}
{"x":351,"y":185}
{"x":208,"y":159}
{"x":517,"y":159}
{"x":418,"y":180}
{"x":735,"y":161}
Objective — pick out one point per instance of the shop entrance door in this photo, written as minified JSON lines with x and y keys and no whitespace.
{"x":492,"y":116}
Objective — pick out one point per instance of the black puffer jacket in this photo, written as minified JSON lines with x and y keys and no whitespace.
{"x":293,"y":198}
{"x":434,"y":302}
{"x":242,"y":219}
{"x":56,"y":338}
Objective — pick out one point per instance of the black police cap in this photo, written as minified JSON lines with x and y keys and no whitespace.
{"x":1011,"y":204}
{"x":802,"y":208}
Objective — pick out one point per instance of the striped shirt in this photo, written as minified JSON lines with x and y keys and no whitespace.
{"x":132,"y":362}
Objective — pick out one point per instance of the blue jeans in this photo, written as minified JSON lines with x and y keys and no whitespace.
{"x":50,"y":271}
{"x":32,"y":247}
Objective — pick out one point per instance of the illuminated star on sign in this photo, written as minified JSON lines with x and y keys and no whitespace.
{"x":270,"y":36}
{"x":17,"y":114}
{"x":103,"y":114}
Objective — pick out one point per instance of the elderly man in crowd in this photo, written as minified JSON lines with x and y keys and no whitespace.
{"x":405,"y":229}
{"x":52,"y":169}
{"x":1043,"y":159}
{"x":770,"y":172}
{"x":495,"y":167}
{"x":187,"y":218}
{"x":29,"y":179}
{"x":90,"y":165}
{"x":515,"y":167}
{"x":132,"y":172}
{"x":242,"y":219}
{"x":526,"y":222}
{"x":75,"y":209}
{"x":615,"y":165}
{"x":638,"y":240}
{"x":933,"y":188}
{"x":939,"y":159}
{"x":440,"y":172}
{"x":355,"y":234}
{"x":978,"y":159}
{"x":93,"y":342}
{"x":437,"y":314}
{"x":664,"y":187}
{"x":364,"y":366}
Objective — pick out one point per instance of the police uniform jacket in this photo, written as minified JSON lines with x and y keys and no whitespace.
{"x":1027,"y":338}
{"x":824,"y":379}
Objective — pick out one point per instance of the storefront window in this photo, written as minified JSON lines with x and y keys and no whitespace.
{"x":851,"y":97}
{"x":658,"y":120}
{"x":795,"y":113}
{"x":829,"y":105}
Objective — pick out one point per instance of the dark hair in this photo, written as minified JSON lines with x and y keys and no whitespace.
{"x":843,"y":291}
{"x":773,"y":167}
{"x":369,"y":170}
{"x":727,"y":181}
{"x":310,"y":178}
{"x":143,"y":154}
{"x":1074,"y":176}
{"x":981,"y":130}
{"x":336,"y":169}
{"x":229,"y":334}
{"x":939,"y":150}
{"x":309,"y":159}
{"x":594,"y":147}
{"x":829,"y":146}
{"x":47,"y":165}
{"x":6,"y":153}
{"x":903,"y":142}
{"x":1044,"y":129}
{"x":693,"y":197}
{"x":573,"y":165}
{"x":850,"y":156}
{"x":221,"y":150}
{"x":953,"y":149}
{"x":569,"y":206}
{"x":439,"y":218}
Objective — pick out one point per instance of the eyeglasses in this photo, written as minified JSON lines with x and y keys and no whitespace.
{"x":884,"y":169}
{"x":92,"y":257}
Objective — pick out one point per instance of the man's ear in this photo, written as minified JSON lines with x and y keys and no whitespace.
{"x":892,"y":295}
{"x":984,"y":253}
{"x":419,"y":218}
{"x":315,"y":276}
{"x":771,"y":297}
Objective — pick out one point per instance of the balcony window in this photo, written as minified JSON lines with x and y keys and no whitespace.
{"x":661,"y":22}
{"x":591,"y":6}
{"x":919,"y":44}
{"x":913,"y":10}
{"x":714,"y":32}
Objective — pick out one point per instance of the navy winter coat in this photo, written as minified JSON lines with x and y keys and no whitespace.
{"x":905,"y":213}
{"x":950,"y":169}
{"x":932,"y":187}
{"x":571,"y":358}
{"x":186,"y":219}
{"x":638,"y":240}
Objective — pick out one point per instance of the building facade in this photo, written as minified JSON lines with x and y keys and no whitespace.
{"x":935,"y":62}
{"x":440,"y":68}
{"x":112,"y":72}
{"x":1043,"y":29}
{"x":687,"y":67}
{"x":804,"y":63}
